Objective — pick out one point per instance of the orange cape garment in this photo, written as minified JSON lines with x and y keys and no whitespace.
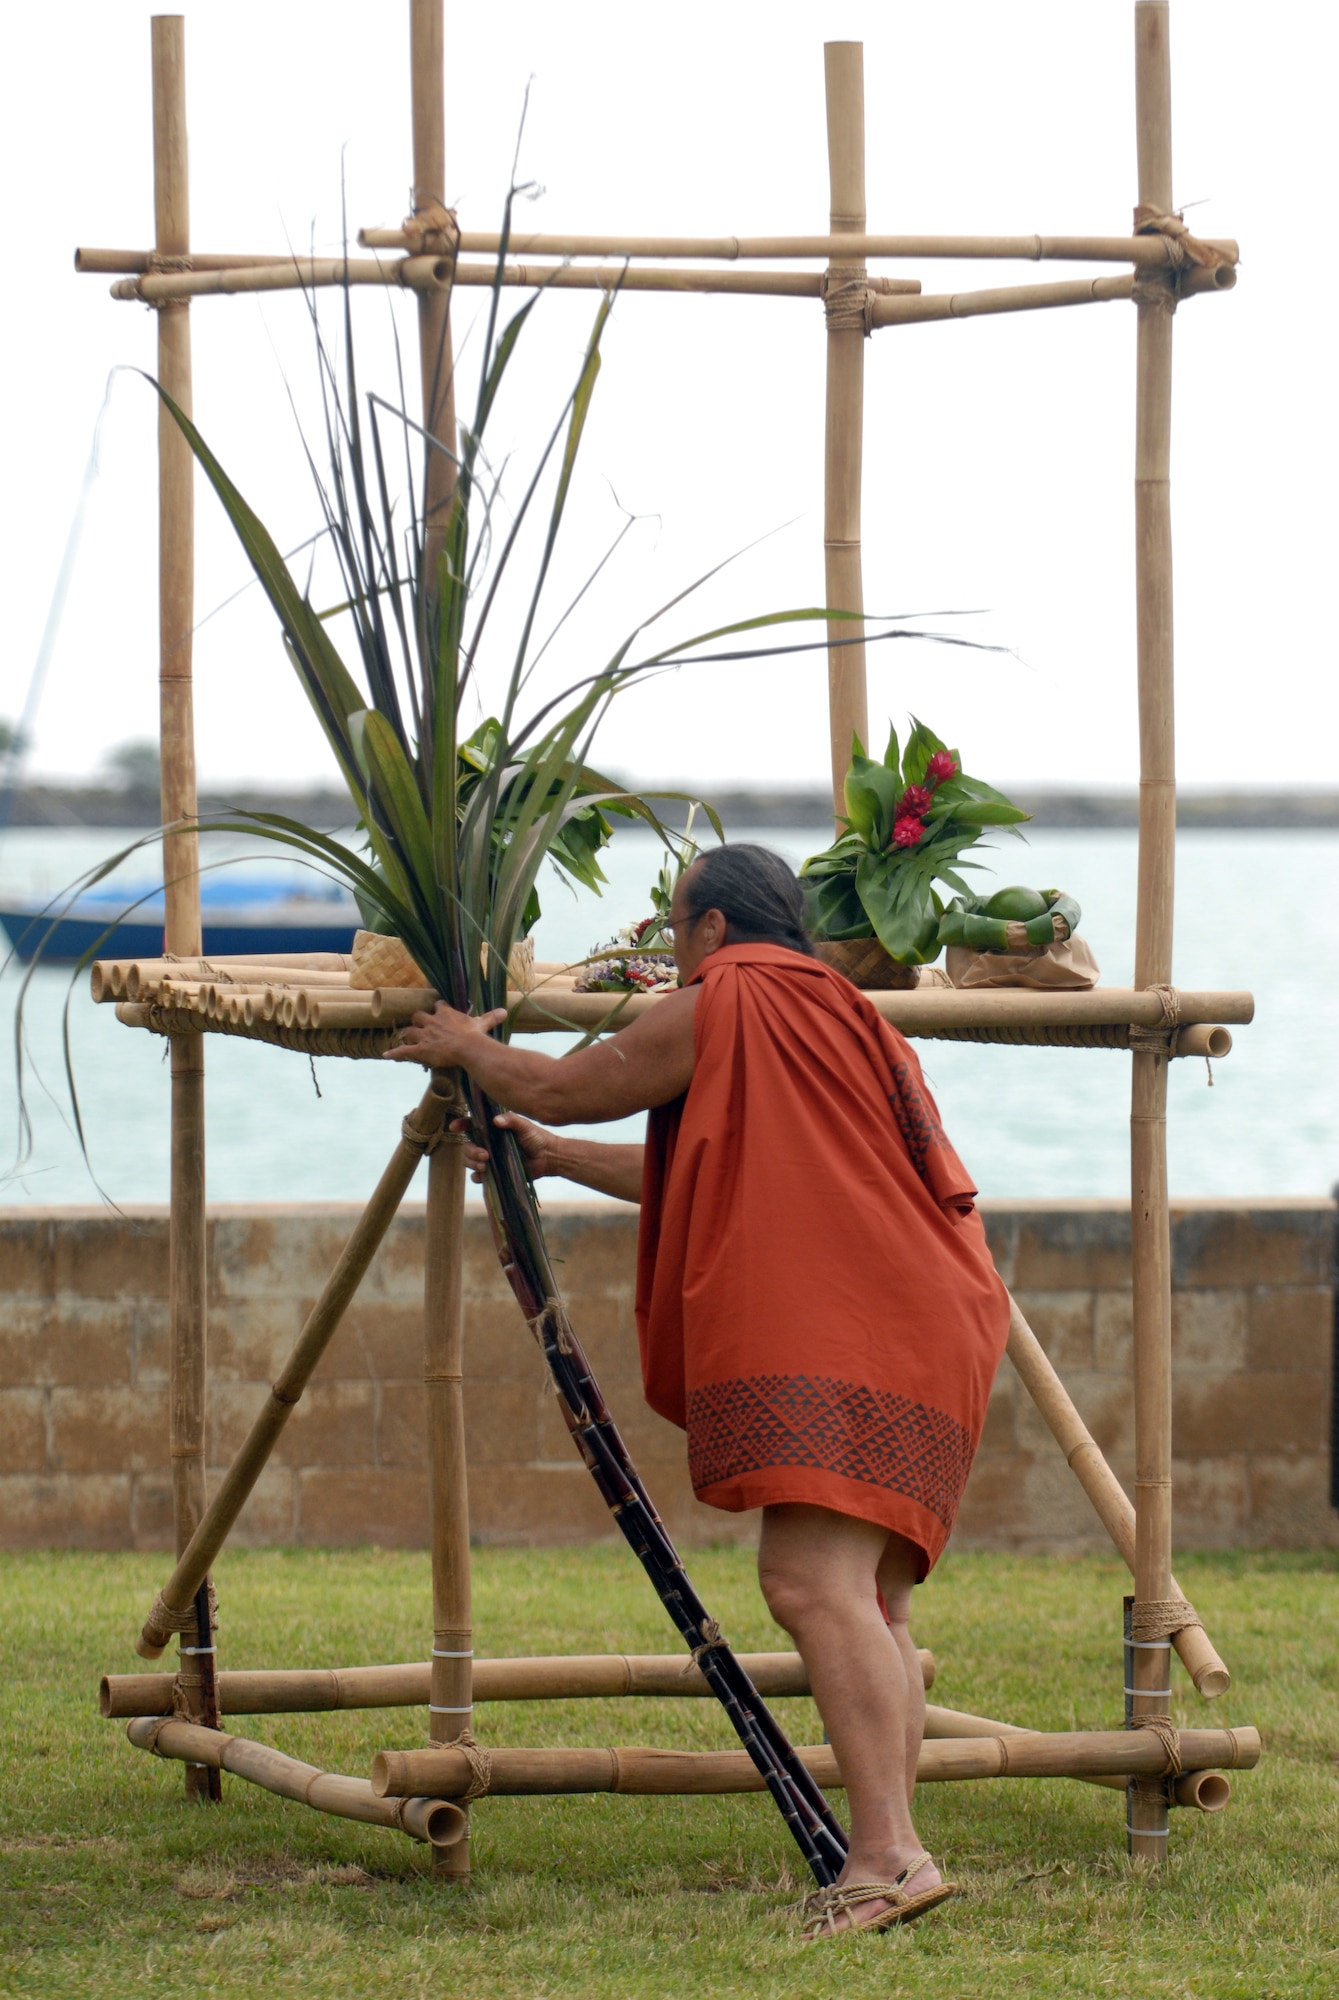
{"x":816,"y":1302}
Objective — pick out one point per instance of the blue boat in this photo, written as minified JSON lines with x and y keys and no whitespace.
{"x":241,"y":913}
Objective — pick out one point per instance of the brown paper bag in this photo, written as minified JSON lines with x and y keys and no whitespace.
{"x":1057,"y":968}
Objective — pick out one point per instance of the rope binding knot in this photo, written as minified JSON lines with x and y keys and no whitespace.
{"x":712,"y":1636}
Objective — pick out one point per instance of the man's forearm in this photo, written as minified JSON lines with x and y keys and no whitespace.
{"x":615,"y":1170}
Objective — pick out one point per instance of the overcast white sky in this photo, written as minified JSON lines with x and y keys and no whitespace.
{"x":998,"y":453}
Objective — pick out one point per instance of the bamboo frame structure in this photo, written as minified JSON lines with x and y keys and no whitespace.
{"x":307,"y":1002}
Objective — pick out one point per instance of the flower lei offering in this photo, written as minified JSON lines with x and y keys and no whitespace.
{"x":908,"y":821}
{"x":626,"y":965}
{"x":639,"y":960}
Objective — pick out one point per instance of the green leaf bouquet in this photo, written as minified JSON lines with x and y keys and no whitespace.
{"x":909,"y":820}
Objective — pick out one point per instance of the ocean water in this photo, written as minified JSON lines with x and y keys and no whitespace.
{"x":1258,"y":910}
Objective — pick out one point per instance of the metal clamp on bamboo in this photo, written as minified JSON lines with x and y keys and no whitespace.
{"x":177,"y":1595}
{"x":438,"y":1822}
{"x":690,"y":1773}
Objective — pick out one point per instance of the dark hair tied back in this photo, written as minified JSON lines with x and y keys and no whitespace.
{"x":756,"y":892}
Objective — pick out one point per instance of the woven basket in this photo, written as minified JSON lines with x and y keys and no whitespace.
{"x":865,"y":963}
{"x":383,"y":961}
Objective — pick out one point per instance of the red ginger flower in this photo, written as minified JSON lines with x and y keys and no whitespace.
{"x":907,"y":832}
{"x":916,"y":799}
{"x":941,"y":766}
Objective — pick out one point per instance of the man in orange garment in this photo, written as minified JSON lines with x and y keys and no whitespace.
{"x":816,"y":1302}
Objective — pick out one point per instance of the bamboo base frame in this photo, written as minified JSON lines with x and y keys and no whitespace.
{"x":309,"y":1005}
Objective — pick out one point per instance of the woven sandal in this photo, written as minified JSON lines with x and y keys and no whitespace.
{"x":819,"y":1912}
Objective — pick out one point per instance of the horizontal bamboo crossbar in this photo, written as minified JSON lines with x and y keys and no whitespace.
{"x":439,"y":1822}
{"x":288,"y":274}
{"x":1035,"y":298}
{"x":892,"y":301}
{"x":112,"y":263}
{"x":519,"y":1773}
{"x":971,"y":1016}
{"x":553,"y":1677}
{"x":554,"y":1004}
{"x":1204,"y":1791}
{"x":928,"y":1010}
{"x":438,"y":273}
{"x":135,"y":978}
{"x":1152,"y":250}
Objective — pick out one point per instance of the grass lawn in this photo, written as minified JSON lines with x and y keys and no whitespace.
{"x":110,"y":1885}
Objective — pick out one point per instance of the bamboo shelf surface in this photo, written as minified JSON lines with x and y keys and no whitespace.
{"x":316,"y":1010}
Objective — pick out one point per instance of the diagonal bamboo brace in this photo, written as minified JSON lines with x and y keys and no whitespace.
{"x":1100,"y":1483}
{"x":419,"y":1135}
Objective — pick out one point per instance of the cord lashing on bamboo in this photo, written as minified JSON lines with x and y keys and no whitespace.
{"x":848,"y":304}
{"x":1158,"y":1040}
{"x":1162,"y":1618}
{"x":712,"y":1636}
{"x":164,"y":1619}
{"x":479,"y":1759}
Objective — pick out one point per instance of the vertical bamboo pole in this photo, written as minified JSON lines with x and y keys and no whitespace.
{"x":1149,"y":1217}
{"x":451,"y":1683}
{"x":427,"y":65}
{"x":844,"y":78}
{"x":176,"y":617}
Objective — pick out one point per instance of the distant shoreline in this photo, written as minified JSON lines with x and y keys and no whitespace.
{"x":89,"y":806}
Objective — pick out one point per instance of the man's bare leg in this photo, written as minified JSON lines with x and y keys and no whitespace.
{"x":818,"y":1572}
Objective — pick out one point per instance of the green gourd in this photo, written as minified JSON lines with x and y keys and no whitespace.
{"x":984,"y":926}
{"x":1018,"y":905}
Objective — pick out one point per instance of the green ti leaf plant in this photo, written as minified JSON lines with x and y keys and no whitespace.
{"x":909,"y":820}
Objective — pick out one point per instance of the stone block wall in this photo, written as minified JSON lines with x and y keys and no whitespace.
{"x":83,"y":1379}
{"x":1253,"y":1349}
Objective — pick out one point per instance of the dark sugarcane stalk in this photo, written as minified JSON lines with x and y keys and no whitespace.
{"x":518,"y":1235}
